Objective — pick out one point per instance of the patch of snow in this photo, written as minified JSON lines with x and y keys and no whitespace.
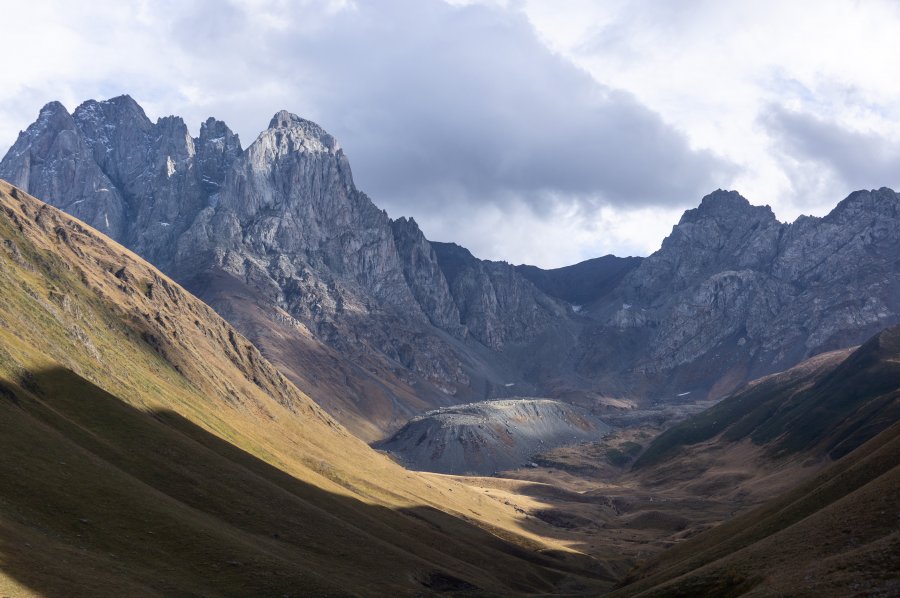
{"x":626,"y":306}
{"x":508,"y":384}
{"x":165,"y":224}
{"x":576,"y":308}
{"x":684,"y":394}
{"x":106,"y":218}
{"x":170,"y":166}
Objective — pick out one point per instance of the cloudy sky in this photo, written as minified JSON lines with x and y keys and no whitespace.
{"x":538,"y":131}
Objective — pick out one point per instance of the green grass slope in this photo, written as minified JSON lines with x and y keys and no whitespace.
{"x":147,"y":449}
{"x":833,"y":533}
{"x":837,"y":534}
{"x":829,"y":406}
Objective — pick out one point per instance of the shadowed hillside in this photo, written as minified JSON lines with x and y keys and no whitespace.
{"x":833,"y":404}
{"x":109,"y":499}
{"x":837,"y":534}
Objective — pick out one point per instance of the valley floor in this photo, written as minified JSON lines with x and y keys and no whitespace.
{"x":576,"y":498}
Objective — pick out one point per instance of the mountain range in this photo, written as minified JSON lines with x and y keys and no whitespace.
{"x":382,"y":324}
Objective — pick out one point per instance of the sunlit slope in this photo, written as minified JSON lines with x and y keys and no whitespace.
{"x":148,"y":449}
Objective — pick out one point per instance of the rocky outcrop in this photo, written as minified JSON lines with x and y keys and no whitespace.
{"x":496,"y":303}
{"x":425,"y":278}
{"x":484,"y":438}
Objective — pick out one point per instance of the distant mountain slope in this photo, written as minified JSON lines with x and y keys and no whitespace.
{"x":146,"y":449}
{"x":829,"y":407}
{"x":733,"y":295}
{"x":582,"y":283}
{"x":837,"y":534}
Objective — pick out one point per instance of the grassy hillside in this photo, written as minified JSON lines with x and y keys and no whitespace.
{"x":837,"y":534}
{"x":834,"y":533}
{"x":828,"y":405}
{"x":146,"y":448}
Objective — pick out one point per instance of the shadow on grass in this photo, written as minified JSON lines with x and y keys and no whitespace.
{"x":99,"y":498}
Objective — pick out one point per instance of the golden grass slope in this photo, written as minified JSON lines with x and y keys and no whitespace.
{"x":146,"y":448}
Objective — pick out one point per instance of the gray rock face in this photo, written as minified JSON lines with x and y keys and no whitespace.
{"x":425,"y":278}
{"x":288,"y":215}
{"x":495,"y":302}
{"x":734,"y":294}
{"x":484,"y":438}
{"x":108,"y":165}
{"x":277,"y":238}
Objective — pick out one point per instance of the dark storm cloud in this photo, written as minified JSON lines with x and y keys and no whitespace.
{"x":858,"y":160}
{"x":442,"y":107}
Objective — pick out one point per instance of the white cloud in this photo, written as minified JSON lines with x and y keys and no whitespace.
{"x":822,"y":157}
{"x":572,"y":233}
{"x":714,"y":69}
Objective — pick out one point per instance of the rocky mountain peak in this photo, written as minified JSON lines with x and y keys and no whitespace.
{"x":118,"y":132}
{"x":284,"y":119}
{"x":424,"y":275}
{"x":52,"y":110}
{"x":724,"y":229}
{"x":121,"y":111}
{"x":218,"y":147}
{"x":175,"y":140}
{"x":727,"y":206}
{"x":52,"y":120}
{"x":864,"y":205}
{"x":171,"y":121}
{"x":123,"y":102}
{"x":214,"y":130}
{"x":301,"y":134}
{"x":724,"y":197}
{"x":406,"y":226}
{"x":724,"y":234}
